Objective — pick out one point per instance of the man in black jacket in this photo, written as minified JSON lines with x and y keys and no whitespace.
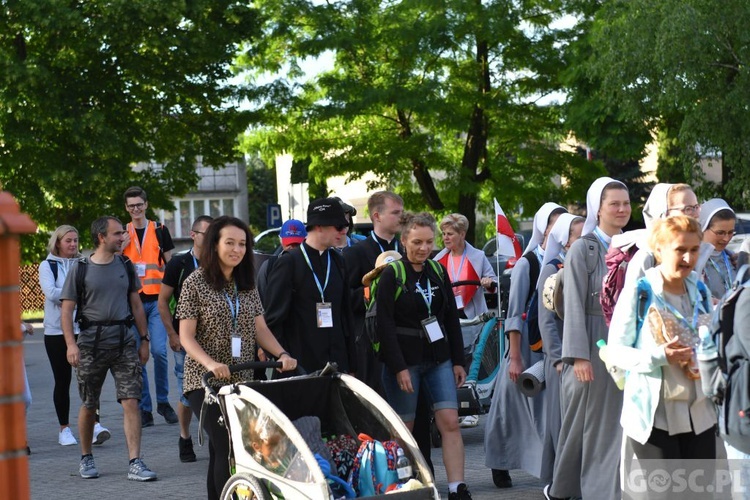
{"x":307,"y":301}
{"x":385,"y":210}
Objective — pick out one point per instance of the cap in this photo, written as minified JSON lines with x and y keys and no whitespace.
{"x":326,"y":212}
{"x":293,"y":231}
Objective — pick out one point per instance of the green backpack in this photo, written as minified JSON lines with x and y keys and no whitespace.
{"x":371,"y":325}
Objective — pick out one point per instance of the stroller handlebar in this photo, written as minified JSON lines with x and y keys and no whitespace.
{"x":250,"y":365}
{"x":470,"y":283}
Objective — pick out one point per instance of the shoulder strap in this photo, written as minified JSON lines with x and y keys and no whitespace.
{"x":437,"y":267}
{"x":80,"y":287}
{"x":592,"y":255}
{"x":159,"y":239}
{"x":644,"y":302}
{"x":400,"y":270}
{"x":705,"y":297}
{"x":53,"y":268}
{"x":534,"y":270}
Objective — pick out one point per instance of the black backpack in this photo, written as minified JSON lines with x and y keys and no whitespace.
{"x":531,"y":315}
{"x":733,"y":389}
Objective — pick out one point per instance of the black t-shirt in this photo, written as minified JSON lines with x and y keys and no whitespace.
{"x":178,"y":269}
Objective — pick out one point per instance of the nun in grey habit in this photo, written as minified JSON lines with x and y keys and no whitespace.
{"x":566,"y":230}
{"x":588,"y":452}
{"x":514,"y":431}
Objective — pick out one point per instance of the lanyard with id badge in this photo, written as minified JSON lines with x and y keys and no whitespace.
{"x":323,"y":309}
{"x":234,"y":309}
{"x":140,"y":266}
{"x":430,"y":326}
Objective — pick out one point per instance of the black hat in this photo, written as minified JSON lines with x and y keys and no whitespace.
{"x":326,"y":212}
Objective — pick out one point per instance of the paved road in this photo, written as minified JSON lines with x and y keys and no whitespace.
{"x":54,"y":468}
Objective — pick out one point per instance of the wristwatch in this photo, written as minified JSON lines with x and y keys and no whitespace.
{"x":146,"y":338}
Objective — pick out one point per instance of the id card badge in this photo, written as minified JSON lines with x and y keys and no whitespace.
{"x":432,"y":328}
{"x":140,"y":268}
{"x":236,"y":347}
{"x":459,"y":301}
{"x":324,"y":312}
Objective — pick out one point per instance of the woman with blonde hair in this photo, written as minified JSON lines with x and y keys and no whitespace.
{"x":63,"y":251}
{"x":665,"y":415}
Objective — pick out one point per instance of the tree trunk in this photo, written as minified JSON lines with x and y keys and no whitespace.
{"x":475,"y":149}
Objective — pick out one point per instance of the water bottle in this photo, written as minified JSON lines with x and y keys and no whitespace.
{"x":403,"y":466}
{"x":706,"y":349}
{"x":617,"y":373}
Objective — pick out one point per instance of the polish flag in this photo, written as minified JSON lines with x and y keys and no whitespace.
{"x":507,"y":243}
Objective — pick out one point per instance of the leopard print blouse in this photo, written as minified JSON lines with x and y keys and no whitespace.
{"x":200,"y":301}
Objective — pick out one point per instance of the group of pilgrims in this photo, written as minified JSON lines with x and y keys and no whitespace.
{"x":579,"y":432}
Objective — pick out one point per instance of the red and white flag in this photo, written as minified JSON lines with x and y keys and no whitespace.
{"x":507,"y":243}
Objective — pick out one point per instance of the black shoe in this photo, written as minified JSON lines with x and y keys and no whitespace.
{"x":166,"y":411}
{"x":501,"y":478}
{"x":186,"y":450}
{"x":462,"y":493}
{"x":147,"y":419}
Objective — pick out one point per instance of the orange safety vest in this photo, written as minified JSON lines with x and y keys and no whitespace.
{"x":147,"y":255}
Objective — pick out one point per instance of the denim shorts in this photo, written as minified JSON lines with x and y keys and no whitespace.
{"x":179,"y":372}
{"x":436,"y":380}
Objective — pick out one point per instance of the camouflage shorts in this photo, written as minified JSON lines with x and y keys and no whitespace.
{"x":126,"y":369}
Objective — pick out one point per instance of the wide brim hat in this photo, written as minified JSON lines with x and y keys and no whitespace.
{"x":383,"y":260}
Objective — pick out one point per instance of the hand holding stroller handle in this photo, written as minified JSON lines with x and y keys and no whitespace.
{"x":250,"y":365}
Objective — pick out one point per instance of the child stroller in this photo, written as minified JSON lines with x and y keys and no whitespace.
{"x":483,"y":350}
{"x":270,"y":459}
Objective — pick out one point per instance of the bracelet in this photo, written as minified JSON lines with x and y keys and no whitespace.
{"x":282,"y":353}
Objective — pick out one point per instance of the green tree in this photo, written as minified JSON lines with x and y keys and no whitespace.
{"x":88,"y":89}
{"x":439,"y":99}
{"x":683,"y":61}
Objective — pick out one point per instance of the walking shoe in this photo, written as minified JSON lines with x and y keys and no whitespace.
{"x":138,"y":471}
{"x":66,"y":437}
{"x":501,"y":478}
{"x":87,"y":468}
{"x":147,"y":419}
{"x":462,"y":493}
{"x":101,"y":434}
{"x":468,"y":421}
{"x":186,"y":450}
{"x":166,"y":411}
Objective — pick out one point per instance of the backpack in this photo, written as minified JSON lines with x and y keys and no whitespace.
{"x":733,"y":391}
{"x":531,"y":314}
{"x":371,"y":312}
{"x":616,"y":259}
{"x":82,"y":321}
{"x":554,"y":284}
{"x":53,"y":268}
{"x":374,"y":468}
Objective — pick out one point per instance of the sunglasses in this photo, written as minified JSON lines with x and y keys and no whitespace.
{"x":341,"y":228}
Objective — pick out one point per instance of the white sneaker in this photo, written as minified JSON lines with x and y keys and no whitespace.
{"x":101,"y":434}
{"x":66,"y":437}
{"x":468,"y":421}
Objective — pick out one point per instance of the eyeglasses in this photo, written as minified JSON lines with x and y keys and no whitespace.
{"x":199,"y":232}
{"x":687,"y":209}
{"x":135,"y":206}
{"x":723,"y":234}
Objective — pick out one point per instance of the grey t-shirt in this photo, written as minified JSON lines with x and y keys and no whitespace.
{"x":106,"y":299}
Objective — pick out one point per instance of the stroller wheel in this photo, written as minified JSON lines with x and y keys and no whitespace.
{"x":243,"y":486}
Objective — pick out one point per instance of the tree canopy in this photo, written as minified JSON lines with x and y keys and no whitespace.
{"x":89,"y":89}
{"x":681,"y":66}
{"x":452,"y":95}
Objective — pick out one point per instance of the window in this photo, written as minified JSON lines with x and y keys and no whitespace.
{"x":180,"y":221}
